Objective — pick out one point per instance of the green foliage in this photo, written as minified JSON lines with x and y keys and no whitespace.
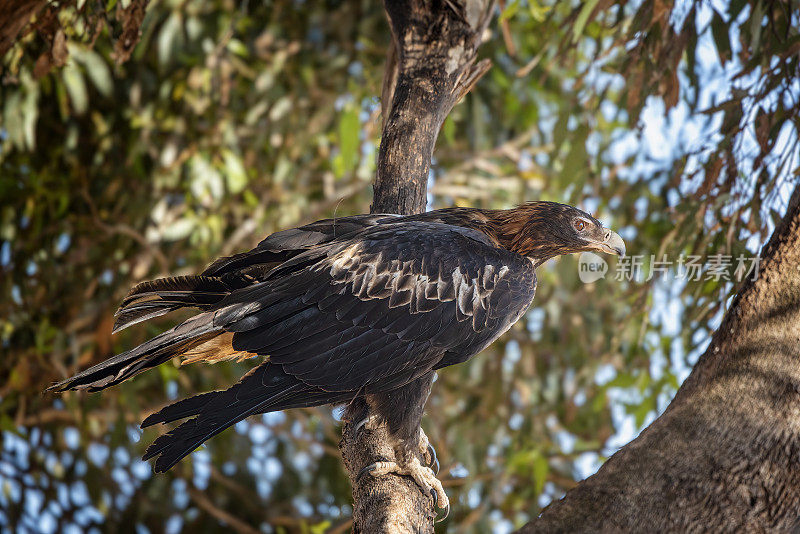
{"x":232,"y":121}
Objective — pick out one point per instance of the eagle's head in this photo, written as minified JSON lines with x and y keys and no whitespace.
{"x":548,"y":229}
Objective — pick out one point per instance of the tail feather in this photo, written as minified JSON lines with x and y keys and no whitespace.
{"x":179,"y":284}
{"x":158,"y":297}
{"x":173,"y":342}
{"x":180,"y":442}
{"x":266,"y":388}
{"x":260,"y":390}
{"x":143,"y":311}
{"x":237,"y":262}
{"x":180,"y":410}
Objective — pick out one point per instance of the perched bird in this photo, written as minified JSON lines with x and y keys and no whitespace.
{"x":363,"y":307}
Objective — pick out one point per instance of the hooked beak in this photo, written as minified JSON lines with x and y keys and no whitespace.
{"x":612,"y":243}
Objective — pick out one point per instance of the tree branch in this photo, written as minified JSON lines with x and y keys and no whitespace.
{"x":221,"y":515}
{"x":431,"y":69}
{"x":724,"y":453}
{"x":437,"y":44}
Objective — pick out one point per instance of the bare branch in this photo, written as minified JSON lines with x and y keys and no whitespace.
{"x":205,"y":504}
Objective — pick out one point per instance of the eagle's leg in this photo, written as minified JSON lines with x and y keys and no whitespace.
{"x":426,"y":450}
{"x":401,"y":411}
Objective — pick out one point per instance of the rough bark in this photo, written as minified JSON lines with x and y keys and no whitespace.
{"x":432,"y":67}
{"x":436,"y":45}
{"x":724,"y":455}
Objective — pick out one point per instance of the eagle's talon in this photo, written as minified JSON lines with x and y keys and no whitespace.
{"x":370,"y":422}
{"x":427,"y":450}
{"x":445,"y":507}
{"x":435,"y":498}
{"x":381,"y":467}
{"x":363,"y":471}
{"x":423,"y":476}
{"x":446,"y":513}
{"x":434,"y":463}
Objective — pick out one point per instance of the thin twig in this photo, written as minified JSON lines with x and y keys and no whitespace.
{"x":221,"y":515}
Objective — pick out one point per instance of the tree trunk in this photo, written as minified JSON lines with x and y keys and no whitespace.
{"x":725,"y":455}
{"x":432,"y":67}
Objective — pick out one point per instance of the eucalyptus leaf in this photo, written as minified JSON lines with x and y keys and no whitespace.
{"x":349,"y":133}
{"x":76,"y":87}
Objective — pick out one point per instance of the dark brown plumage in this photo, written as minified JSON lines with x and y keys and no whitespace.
{"x":363,"y":307}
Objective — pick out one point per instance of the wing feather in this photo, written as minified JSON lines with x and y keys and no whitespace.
{"x":383,"y":302}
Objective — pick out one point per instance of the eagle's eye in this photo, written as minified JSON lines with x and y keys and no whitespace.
{"x":579,"y":224}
